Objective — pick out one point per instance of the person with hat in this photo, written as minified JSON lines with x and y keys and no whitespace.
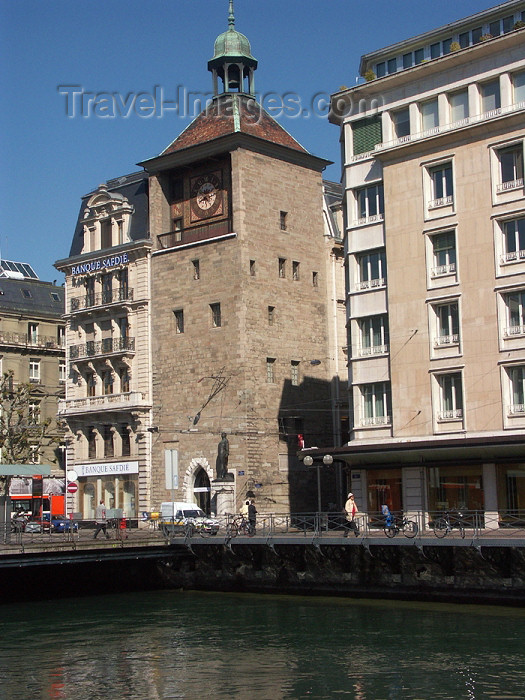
{"x":351,"y":510}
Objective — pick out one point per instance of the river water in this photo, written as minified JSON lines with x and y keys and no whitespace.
{"x":175,"y":644}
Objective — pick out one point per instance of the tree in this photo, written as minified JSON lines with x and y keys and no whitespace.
{"x":23,"y":435}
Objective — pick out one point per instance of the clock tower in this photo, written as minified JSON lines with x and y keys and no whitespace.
{"x":239,"y":290}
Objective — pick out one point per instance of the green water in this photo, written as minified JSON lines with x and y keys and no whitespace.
{"x":212,"y":645}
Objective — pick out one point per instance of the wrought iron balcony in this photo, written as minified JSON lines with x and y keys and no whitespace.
{"x":97,"y":348}
{"x":38,"y":342}
{"x":112,"y":296}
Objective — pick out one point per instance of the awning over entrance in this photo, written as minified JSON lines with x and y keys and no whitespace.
{"x":25,"y":470}
{"x":432,"y":452}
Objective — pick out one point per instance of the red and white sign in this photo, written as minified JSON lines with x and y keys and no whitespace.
{"x":72,"y":487}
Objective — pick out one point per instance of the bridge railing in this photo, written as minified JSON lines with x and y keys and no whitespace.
{"x":472,"y":526}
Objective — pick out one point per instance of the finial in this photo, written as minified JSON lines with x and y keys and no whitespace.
{"x":231,"y":16}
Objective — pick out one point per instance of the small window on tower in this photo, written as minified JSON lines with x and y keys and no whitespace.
{"x":179,"y":320}
{"x":252,"y":268}
{"x":196,"y":269}
{"x":283,"y":217}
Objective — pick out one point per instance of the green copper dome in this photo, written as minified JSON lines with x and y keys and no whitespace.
{"x":232,"y":44}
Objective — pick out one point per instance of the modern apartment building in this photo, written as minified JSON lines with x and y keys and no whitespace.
{"x":434,"y":201}
{"x":205,"y":295}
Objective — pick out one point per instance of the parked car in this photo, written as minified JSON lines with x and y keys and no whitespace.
{"x":59,"y":523}
{"x":33,"y":526}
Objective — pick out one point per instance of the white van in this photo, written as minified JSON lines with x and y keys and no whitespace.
{"x":179,"y":516}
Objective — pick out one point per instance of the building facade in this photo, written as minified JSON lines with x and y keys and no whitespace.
{"x":205,"y":300}
{"x":108,"y":398}
{"x":32,"y":348}
{"x":246,"y":288}
{"x":434,"y":200}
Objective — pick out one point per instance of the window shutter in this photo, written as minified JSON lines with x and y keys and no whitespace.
{"x":366,"y":133}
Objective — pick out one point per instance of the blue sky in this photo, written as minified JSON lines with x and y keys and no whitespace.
{"x":53,"y":150}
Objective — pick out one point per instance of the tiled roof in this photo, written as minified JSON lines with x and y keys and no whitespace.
{"x":229,"y":114}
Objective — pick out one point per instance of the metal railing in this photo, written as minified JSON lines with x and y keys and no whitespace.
{"x":38,"y":341}
{"x":505,"y":527}
{"x":111,"y":296}
{"x":101,"y":347}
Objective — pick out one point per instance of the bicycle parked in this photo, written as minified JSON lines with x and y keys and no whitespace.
{"x":447,"y":522}
{"x":392,"y":525}
{"x":239,"y":526}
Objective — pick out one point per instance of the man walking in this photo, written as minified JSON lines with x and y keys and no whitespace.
{"x":100,"y":517}
{"x":252,"y":518}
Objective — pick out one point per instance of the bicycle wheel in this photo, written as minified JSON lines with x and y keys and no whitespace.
{"x":390,"y":530}
{"x":440,"y":528}
{"x":231,"y":530}
{"x":410,"y":529}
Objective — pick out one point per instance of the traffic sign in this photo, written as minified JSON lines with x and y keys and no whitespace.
{"x":72,"y":487}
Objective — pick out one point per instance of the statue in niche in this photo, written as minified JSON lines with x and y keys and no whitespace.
{"x":223,"y":453}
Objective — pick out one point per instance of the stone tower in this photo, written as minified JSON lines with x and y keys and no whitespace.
{"x":239,"y":318}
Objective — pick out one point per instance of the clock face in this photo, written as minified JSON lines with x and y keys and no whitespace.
{"x":206,"y":195}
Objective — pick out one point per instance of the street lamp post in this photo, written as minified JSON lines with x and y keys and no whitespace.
{"x":308,"y":462}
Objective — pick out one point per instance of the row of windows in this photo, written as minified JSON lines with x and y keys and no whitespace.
{"x":35,"y":373}
{"x":108,"y":441}
{"x":444,"y":325}
{"x":376,"y":405}
{"x":107,"y":382}
{"x":445,"y":110}
{"x":442,"y":48}
{"x":438,"y":185}
{"x":442,"y":255}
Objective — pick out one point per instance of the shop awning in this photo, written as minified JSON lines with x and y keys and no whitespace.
{"x":434,"y":451}
{"x":25,"y":470}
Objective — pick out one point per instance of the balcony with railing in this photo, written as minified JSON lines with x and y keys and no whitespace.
{"x":510,"y":185}
{"x":370,"y":284}
{"x":441,"y":202}
{"x":512,"y":257}
{"x":373,"y":350}
{"x":376,"y":420}
{"x":40,"y":342}
{"x":454,"y":414}
{"x":195,"y":234}
{"x":513,"y":331}
{"x":114,"y":402}
{"x":442,"y":270}
{"x":98,"y":348}
{"x":373,"y":219}
{"x":88,"y":301}
{"x":442,"y":340}
{"x":444,"y":129}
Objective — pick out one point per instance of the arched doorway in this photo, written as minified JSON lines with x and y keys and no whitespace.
{"x":201,"y":489}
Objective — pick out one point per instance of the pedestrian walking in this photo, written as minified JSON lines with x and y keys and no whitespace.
{"x":351,"y":511}
{"x":101,"y":521}
{"x":252,"y":517}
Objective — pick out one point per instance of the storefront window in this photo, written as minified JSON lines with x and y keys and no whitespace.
{"x":88,"y":501}
{"x":126,"y":498}
{"x":511,"y":489}
{"x":455,"y":488}
{"x":384,"y":488}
